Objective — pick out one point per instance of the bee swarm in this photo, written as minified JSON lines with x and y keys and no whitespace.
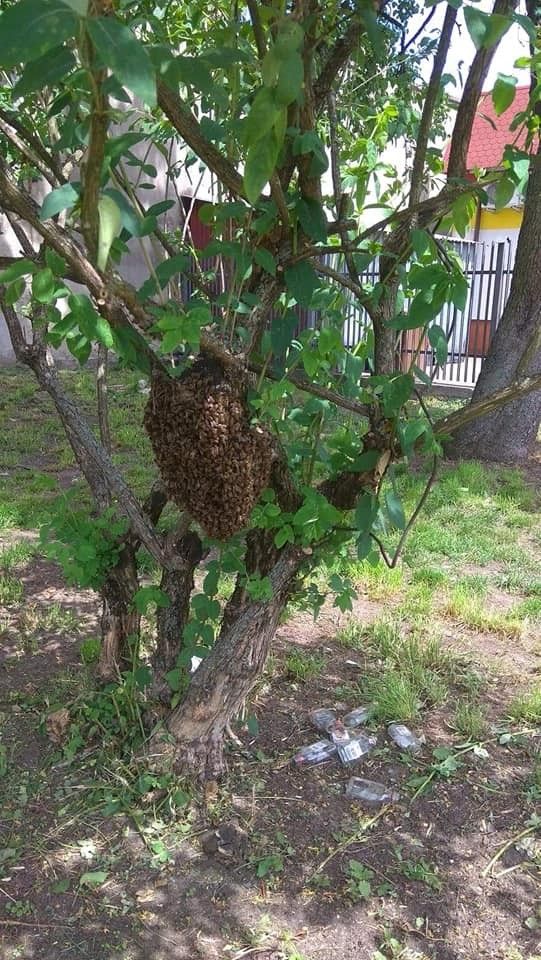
{"x":213,"y":462}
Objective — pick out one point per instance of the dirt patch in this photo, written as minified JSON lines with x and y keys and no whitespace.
{"x":291,"y":892}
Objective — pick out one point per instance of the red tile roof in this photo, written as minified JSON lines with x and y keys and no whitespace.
{"x":491,"y":134}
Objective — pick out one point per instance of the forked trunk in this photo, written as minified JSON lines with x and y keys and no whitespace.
{"x":178,"y":584}
{"x":120,"y":621}
{"x":225,"y":678}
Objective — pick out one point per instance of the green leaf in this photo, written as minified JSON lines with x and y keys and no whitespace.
{"x":55,"y":262}
{"x":265,"y":259}
{"x":120,"y":50}
{"x":505,"y":191}
{"x":290,"y":79}
{"x":396,"y":392}
{"x":373,"y":30}
{"x":395,"y":510}
{"x":285,"y":534}
{"x":110,"y":224}
{"x":63,"y":198}
{"x":503,"y":92}
{"x":282,"y":331}
{"x":30,"y":28}
{"x":43,"y":285}
{"x":312,"y":218}
{"x":485,"y":29}
{"x":93,"y":878}
{"x":46,"y":71}
{"x":420,"y":242}
{"x":438,"y":339}
{"x":261,"y":118}
{"x":103,"y":332}
{"x":366,"y":512}
{"x":146,"y":596}
{"x":260,"y":163}
{"x":15,"y":291}
{"x":301,"y":282}
{"x":18,"y":269}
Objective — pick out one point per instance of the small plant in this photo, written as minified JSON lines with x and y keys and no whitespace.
{"x":532,"y":790}
{"x":302,"y":666}
{"x":11,"y":590}
{"x":269,"y":866}
{"x":469,"y":721}
{"x":86,"y":547}
{"x":90,"y":649}
{"x":422,"y":872}
{"x":359,"y":882}
{"x":527,"y":707}
{"x":19,"y":908}
{"x":352,"y":635}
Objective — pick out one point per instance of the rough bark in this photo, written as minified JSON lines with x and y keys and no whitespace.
{"x":120,"y":621}
{"x":508,"y":434}
{"x":225,"y":678}
{"x":177,"y":582}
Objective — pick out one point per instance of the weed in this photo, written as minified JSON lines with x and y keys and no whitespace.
{"x":532,"y":790}
{"x":465,"y":604}
{"x":359,"y":881}
{"x":470,"y":721}
{"x":90,"y":649}
{"x":527,"y":707}
{"x":428,"y":576}
{"x":422,"y":872}
{"x":11,"y":590}
{"x":416,"y":671}
{"x":529,"y":609}
{"x":17,"y":555}
{"x":352,"y":635}
{"x":302,"y":666}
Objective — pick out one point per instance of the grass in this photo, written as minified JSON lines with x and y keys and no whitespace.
{"x":527,"y":707}
{"x":410,"y":671}
{"x":11,"y":590}
{"x":470,"y":721}
{"x":466,"y":603}
{"x":301,"y":665}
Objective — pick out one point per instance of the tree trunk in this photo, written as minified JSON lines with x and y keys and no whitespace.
{"x":225,"y":678}
{"x":508,"y":435}
{"x":120,"y":621}
{"x":177,"y":582}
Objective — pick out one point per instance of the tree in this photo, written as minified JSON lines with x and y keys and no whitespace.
{"x":509,"y":435}
{"x":265,"y":484}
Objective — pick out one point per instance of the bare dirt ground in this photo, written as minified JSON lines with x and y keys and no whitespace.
{"x":431,"y":888}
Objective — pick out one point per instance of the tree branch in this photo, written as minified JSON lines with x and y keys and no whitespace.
{"x":431,"y":98}
{"x":27,"y":152}
{"x":34,"y":143}
{"x":451,"y":423}
{"x":460,"y":140}
{"x":186,"y":124}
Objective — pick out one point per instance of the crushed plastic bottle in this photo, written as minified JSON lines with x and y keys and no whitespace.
{"x":315,"y":753}
{"x":404,"y":738}
{"x":355,"y":718}
{"x":359,"y":746}
{"x":350,"y":747}
{"x":323,"y":719}
{"x":370,"y":792}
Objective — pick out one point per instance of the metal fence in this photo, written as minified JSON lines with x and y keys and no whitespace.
{"x":488,"y":267}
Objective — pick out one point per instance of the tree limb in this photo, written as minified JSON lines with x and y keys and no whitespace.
{"x":451,"y":423}
{"x":186,"y":124}
{"x":465,"y":115}
{"x":34,"y":143}
{"x":431,"y":98}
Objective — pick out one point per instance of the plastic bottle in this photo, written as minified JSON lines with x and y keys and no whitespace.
{"x":315,"y":753}
{"x":370,"y":792}
{"x":404,"y":738}
{"x":323,"y":719}
{"x":355,"y":718}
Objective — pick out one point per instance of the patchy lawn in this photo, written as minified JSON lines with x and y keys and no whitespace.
{"x":100,"y":859}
